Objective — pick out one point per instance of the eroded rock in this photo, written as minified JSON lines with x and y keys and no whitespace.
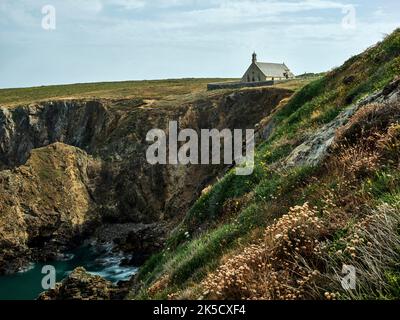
{"x":44,"y":204}
{"x":71,"y":166}
{"x":80,"y":285}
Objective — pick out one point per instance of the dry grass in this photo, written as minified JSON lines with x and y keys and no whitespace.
{"x":300,"y":255}
{"x":147,"y":90}
{"x":273,"y":267}
{"x":389,"y":143}
{"x":296,"y":260}
{"x":373,"y":248}
{"x":356,"y":161}
{"x":368,"y":123}
{"x":370,"y":138}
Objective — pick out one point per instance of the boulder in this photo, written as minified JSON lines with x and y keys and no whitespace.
{"x":80,"y":285}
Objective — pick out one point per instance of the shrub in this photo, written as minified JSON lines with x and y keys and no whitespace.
{"x":390,"y":143}
{"x":356,"y":161}
{"x":371,"y":137}
{"x":273,"y":267}
{"x":373,"y":248}
{"x":369,"y":121}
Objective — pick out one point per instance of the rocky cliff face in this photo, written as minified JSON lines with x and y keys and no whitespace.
{"x":68,"y":167}
{"x":44,"y":204}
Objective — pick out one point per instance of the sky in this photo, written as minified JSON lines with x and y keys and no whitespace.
{"x":114,"y":40}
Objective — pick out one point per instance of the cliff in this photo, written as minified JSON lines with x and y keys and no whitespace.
{"x":71,"y":166}
{"x":324,"y":193}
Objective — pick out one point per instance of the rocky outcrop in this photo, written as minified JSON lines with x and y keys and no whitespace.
{"x":80,"y":285}
{"x":138,"y":241}
{"x":316,"y":147}
{"x":44,"y":204}
{"x":69,"y":167}
{"x":76,"y":123}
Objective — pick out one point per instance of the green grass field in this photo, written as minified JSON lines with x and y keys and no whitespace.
{"x":151,"y":89}
{"x":146,"y":90}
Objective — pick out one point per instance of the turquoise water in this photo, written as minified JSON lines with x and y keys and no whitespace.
{"x":27,"y":285}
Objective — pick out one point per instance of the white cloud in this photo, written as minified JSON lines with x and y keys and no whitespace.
{"x":127,"y":4}
{"x":169,"y":34}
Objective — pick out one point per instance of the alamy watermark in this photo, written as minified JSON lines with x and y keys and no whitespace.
{"x":195,"y":149}
{"x":49,"y":17}
{"x":349,"y":21}
{"x":49,"y":280}
{"x":349,"y":278}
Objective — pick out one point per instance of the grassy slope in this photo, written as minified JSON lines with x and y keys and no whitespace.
{"x":237,"y":209}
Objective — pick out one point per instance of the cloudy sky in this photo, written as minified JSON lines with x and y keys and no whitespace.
{"x":107,"y":40}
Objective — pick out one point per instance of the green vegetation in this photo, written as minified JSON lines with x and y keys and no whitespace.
{"x":298,"y":83}
{"x":354,"y":194}
{"x":154,"y":89}
{"x":237,"y":209}
{"x":134,"y":90}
